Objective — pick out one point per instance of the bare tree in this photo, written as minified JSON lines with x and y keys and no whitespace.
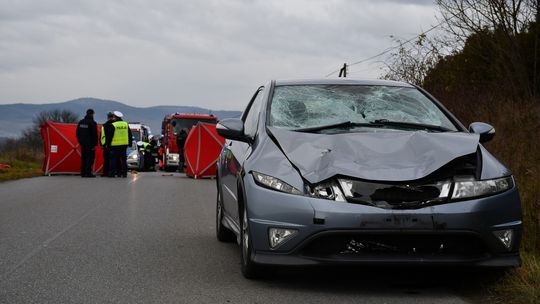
{"x":465,"y":17}
{"x":62,"y":116}
{"x":412,"y":62}
{"x":31,"y":137}
{"x":505,"y":20}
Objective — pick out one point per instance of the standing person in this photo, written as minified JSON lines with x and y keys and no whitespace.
{"x":118,"y":141}
{"x":106,"y":128}
{"x":180,"y":142}
{"x":161,"y":151}
{"x":150,"y":153}
{"x":87,"y":138}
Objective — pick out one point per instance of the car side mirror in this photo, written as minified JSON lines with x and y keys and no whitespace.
{"x":486,"y":131}
{"x":232,"y":128}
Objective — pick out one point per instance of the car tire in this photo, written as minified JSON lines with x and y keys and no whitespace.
{"x":250,"y":270}
{"x":223,"y":233}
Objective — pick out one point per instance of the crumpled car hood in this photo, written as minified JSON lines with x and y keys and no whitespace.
{"x":377,"y":156}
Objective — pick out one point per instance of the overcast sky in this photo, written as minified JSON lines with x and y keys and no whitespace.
{"x":210,"y":53}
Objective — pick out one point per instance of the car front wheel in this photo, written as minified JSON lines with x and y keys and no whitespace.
{"x":250,"y":270}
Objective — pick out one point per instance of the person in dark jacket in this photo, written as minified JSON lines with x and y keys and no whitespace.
{"x":180,"y":142}
{"x":87,"y":136}
{"x":106,"y":128}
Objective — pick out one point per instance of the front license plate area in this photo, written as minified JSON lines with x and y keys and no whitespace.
{"x":397,"y":221}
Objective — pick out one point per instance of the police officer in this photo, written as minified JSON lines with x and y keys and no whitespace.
{"x":106,"y":128}
{"x":150,"y":153}
{"x":87,"y":138}
{"x":145,"y":153}
{"x":118,"y":139}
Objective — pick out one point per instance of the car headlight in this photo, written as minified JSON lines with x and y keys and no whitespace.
{"x":133,"y":155}
{"x":329,"y":191}
{"x":472,"y":188}
{"x":274,"y":183}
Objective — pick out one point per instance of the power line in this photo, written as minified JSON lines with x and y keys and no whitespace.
{"x":391,"y":48}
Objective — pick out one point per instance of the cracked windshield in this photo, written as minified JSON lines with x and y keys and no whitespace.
{"x":302,"y":107}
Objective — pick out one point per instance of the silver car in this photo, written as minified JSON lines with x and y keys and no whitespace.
{"x":320,"y":172}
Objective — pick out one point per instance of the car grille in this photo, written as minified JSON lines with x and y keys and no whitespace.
{"x":388,"y":245}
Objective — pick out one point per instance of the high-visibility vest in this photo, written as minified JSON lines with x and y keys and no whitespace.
{"x":120,"y":137}
{"x":146,"y":147}
{"x":102,"y":136}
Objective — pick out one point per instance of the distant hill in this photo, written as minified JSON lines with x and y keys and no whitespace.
{"x":14,"y":118}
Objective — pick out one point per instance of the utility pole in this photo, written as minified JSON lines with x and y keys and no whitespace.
{"x":343,"y":71}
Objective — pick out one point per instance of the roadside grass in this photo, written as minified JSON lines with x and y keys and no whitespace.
{"x":24,"y":163}
{"x":517,"y":144}
{"x":521,"y":285}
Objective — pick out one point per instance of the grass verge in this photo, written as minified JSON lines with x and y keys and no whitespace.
{"x":517,"y":145}
{"x":520,"y":285}
{"x":519,"y":148}
{"x":23,"y":164}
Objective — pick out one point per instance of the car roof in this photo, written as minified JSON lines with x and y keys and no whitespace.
{"x":343,"y":81}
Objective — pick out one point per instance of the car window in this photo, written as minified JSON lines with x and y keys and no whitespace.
{"x":136,"y":135}
{"x":144,"y":135}
{"x":251,"y":119}
{"x":308,"y":106}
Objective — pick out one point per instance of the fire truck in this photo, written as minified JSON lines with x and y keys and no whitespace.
{"x":175,"y":128}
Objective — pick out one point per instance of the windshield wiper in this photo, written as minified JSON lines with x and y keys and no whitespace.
{"x":340,"y":125}
{"x":410,"y":125}
{"x":377,"y":124}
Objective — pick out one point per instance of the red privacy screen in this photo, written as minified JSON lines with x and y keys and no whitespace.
{"x":201,"y":150}
{"x":62,"y":151}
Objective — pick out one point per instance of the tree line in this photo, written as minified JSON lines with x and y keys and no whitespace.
{"x":30,"y":141}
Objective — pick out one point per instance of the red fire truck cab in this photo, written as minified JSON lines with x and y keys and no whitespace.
{"x":175,"y":128}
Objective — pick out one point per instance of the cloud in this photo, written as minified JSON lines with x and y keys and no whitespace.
{"x":209,"y":53}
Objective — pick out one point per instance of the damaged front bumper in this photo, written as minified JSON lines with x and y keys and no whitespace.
{"x":477,"y":232}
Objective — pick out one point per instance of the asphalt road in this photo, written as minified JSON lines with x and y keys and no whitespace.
{"x":150,"y":238}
